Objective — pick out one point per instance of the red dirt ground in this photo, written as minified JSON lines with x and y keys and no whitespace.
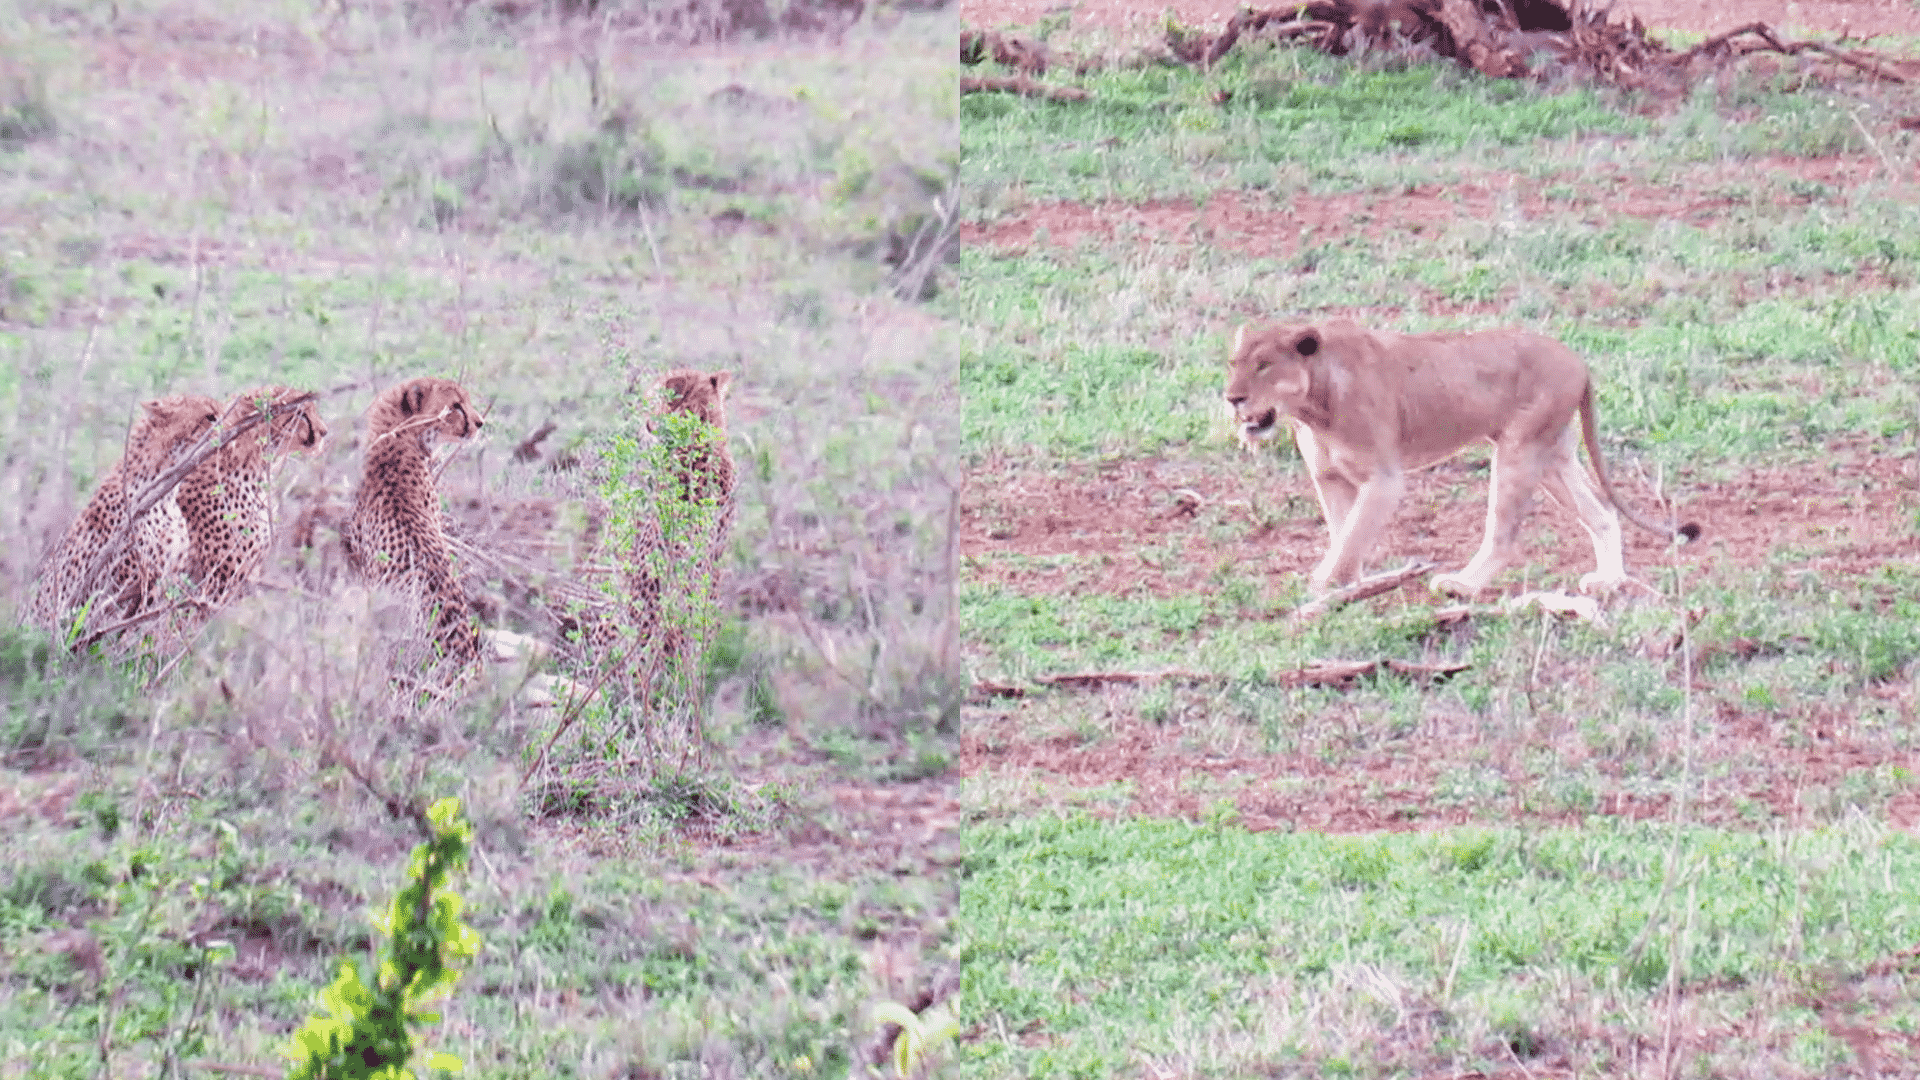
{"x":1828,"y":18}
{"x":1265,"y":226}
{"x":1134,"y":525}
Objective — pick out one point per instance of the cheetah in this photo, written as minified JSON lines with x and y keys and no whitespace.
{"x":680,"y":533}
{"x":156,"y":548}
{"x":396,"y":535}
{"x":225,"y":500}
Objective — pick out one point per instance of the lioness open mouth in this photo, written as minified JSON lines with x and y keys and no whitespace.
{"x":1262,"y":426}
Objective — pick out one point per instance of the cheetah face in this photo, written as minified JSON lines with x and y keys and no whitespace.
{"x":166,"y":428}
{"x":699,"y":393}
{"x":299,"y":429}
{"x":425,"y":409}
{"x":447,"y":402}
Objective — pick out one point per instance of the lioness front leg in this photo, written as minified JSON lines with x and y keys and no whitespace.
{"x":1330,"y":485}
{"x":1373,"y":506}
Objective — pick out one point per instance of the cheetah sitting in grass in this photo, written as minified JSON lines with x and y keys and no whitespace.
{"x":396,"y":535}
{"x":156,"y":544}
{"x":225,"y":501}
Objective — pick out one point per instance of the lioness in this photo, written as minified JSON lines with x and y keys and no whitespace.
{"x":1366,"y":406}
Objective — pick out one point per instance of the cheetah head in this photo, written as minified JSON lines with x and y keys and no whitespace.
{"x":165,"y":429}
{"x":699,"y":393}
{"x":299,"y":428}
{"x":432,"y":407}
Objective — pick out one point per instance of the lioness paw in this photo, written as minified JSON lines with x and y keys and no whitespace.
{"x":1454,"y":585}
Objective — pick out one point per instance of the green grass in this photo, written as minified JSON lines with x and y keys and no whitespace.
{"x":582,"y":972}
{"x":1127,"y":946}
{"x":1120,"y":351}
{"x":1158,"y":133}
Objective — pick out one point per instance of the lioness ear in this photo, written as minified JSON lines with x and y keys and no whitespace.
{"x":720,"y":381}
{"x":1239,"y":338}
{"x":1308,"y":344}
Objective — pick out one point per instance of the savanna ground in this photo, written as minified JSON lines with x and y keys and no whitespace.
{"x":1681,"y":843}
{"x":201,"y":196}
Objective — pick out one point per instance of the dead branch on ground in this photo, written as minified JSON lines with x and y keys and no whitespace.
{"x":1337,"y":674}
{"x":1360,"y":590}
{"x":1022,"y":85}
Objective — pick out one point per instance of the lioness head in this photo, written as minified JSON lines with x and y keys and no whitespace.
{"x":1271,"y":375}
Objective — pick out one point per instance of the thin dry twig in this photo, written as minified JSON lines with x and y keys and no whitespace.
{"x":1360,"y":590}
{"x":236,"y":1070}
{"x":575,"y":709}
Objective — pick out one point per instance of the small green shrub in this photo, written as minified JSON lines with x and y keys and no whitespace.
{"x":367,"y":1032}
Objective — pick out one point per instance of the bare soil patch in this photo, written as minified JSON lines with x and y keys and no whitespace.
{"x":1170,"y":526}
{"x":840,"y":827}
{"x":1755,"y":768}
{"x":1272,"y":226}
{"x":1136,"y":526}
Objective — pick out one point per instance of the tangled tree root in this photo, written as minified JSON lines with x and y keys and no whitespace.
{"x":1502,"y":39}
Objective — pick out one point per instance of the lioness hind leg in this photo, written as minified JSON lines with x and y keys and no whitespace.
{"x":1516,"y":476}
{"x":1573,"y":487}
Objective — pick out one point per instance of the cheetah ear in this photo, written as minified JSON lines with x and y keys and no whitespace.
{"x":412,"y":399}
{"x":155,"y":409}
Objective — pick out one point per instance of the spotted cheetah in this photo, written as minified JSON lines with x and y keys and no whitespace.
{"x":156,"y":548}
{"x":396,"y":535}
{"x":680,"y":533}
{"x":225,"y":500}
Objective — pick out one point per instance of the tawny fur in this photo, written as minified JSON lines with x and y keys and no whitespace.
{"x":1368,"y":406}
{"x":396,"y":536}
{"x":165,"y":429}
{"x":226,"y":502}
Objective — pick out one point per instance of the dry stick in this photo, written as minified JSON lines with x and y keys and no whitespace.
{"x":1875,"y":143}
{"x":573,"y":713}
{"x":1021,"y":84}
{"x":145,"y":616}
{"x":1360,"y":590}
{"x":1686,"y":761}
{"x":1336,"y":673}
{"x":1793,"y":48}
{"x":237,"y":1070}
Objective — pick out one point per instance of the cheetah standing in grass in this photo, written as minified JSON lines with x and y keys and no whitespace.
{"x":156,"y":548}
{"x":396,"y":535}
{"x":680,"y":533}
{"x":225,"y":501}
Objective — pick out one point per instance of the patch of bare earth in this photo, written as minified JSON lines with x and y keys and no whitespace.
{"x":1855,"y":19}
{"x":1268,"y":226}
{"x":1170,"y":527}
